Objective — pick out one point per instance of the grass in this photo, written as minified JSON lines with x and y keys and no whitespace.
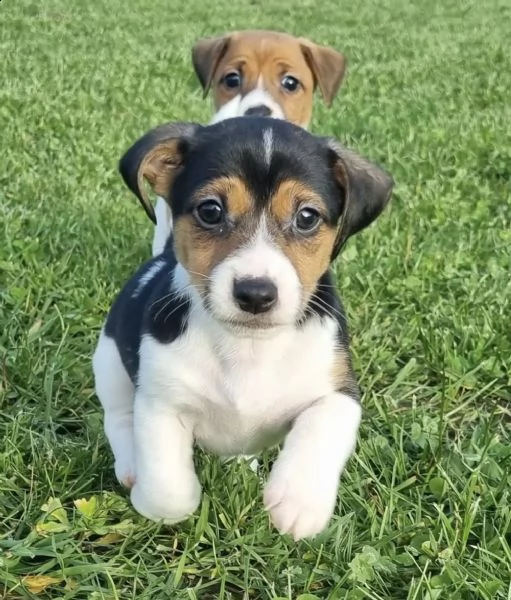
{"x":424,"y":506}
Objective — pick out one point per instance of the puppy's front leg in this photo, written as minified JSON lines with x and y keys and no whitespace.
{"x":166,"y":487}
{"x":302,"y":489}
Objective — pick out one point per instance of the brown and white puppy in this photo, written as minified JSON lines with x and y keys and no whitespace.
{"x":234,"y":337}
{"x":267,"y":73}
{"x":260,"y":73}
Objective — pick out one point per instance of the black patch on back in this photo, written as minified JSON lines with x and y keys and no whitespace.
{"x":154,"y":310}
{"x":167,"y":315}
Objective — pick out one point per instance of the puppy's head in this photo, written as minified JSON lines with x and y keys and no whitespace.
{"x":260,"y":209}
{"x":266,"y":73}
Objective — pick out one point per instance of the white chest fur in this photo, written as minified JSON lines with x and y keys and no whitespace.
{"x":232,"y":395}
{"x":238,"y":394}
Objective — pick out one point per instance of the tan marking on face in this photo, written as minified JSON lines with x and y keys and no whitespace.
{"x":288,"y":196}
{"x":309,"y":254}
{"x":200,"y":250}
{"x":263,"y":58}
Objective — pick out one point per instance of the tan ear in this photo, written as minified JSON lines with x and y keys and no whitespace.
{"x":327,"y":66}
{"x":365,"y":189}
{"x":156,"y":157}
{"x":206,"y":55}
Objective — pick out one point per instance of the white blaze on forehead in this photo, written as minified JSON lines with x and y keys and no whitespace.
{"x":268,"y":144}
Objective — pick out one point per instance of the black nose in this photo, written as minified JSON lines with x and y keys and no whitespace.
{"x":256,"y":295}
{"x":258,"y":111}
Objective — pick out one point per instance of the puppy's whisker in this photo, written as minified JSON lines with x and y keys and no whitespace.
{"x":201,"y":275}
{"x":322,"y":309}
{"x":326,"y":286}
{"x":328,"y":306}
{"x":334,"y":314}
{"x":323,"y":302}
{"x":163,"y":298}
{"x":162,"y":309}
{"x":171,"y":294}
{"x":175,"y":309}
{"x":320,"y":286}
{"x":328,"y":310}
{"x":170,"y":298}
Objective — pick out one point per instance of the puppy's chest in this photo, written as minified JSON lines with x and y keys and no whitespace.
{"x":242,"y":395}
{"x":245,"y":405}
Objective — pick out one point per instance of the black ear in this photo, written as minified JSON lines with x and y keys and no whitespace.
{"x":365,"y":187}
{"x":156,"y":157}
{"x":206,"y":55}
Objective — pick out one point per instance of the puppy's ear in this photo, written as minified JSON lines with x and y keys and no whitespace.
{"x":365,"y":191}
{"x":327,"y":66}
{"x":206,"y":55}
{"x":157,"y":158}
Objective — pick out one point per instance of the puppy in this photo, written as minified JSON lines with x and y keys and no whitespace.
{"x":263,"y":73}
{"x":266,"y":73}
{"x":234,"y":337}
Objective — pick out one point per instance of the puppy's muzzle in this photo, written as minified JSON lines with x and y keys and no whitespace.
{"x":255,"y":295}
{"x":258,"y":111}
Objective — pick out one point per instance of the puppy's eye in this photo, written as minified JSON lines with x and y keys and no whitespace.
{"x":210,"y":213}
{"x":307,"y":219}
{"x":290,"y":83}
{"x":232,"y":80}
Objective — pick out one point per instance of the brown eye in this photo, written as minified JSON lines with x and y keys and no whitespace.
{"x":290,"y":83}
{"x":210,"y":213}
{"x":307,"y":219}
{"x":232,"y":80}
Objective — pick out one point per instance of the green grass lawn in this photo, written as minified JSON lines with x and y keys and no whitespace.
{"x":425,"y":504}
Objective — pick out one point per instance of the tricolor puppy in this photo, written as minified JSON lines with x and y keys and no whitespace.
{"x":234,"y":337}
{"x":262,"y":73}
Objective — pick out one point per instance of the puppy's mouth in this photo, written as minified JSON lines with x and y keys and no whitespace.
{"x":249,"y":323}
{"x":244,"y":325}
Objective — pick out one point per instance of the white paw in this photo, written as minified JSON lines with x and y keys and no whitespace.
{"x":169,"y":507}
{"x":125,"y":472}
{"x":300,"y":500}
